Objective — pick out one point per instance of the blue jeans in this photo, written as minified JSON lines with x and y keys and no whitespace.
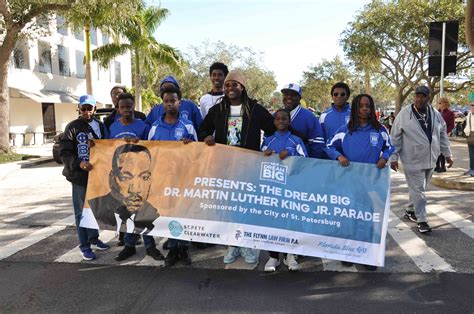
{"x":131,"y":238}
{"x":86,"y":235}
{"x":175,"y":243}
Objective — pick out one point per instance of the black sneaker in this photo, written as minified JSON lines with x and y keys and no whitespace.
{"x":423,"y":227}
{"x":155,"y":253}
{"x":410,"y":216}
{"x":125,"y":253}
{"x":172,"y":257}
{"x":370,"y":267}
{"x":347,"y":264}
{"x":184,"y":256}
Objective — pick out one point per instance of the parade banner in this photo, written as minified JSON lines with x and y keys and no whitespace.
{"x":228,"y":195}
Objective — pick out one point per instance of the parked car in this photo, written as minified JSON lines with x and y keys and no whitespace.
{"x":100,"y":114}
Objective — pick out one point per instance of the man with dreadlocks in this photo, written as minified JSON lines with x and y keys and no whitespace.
{"x":236,"y":120}
{"x":363,"y":139}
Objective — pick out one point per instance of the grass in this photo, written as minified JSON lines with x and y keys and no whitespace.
{"x":11,"y":157}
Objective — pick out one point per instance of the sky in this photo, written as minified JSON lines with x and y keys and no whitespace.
{"x":291,"y":34}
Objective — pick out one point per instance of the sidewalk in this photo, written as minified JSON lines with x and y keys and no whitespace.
{"x":44,"y":153}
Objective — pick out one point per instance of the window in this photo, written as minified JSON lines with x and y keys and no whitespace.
{"x":44,"y":58}
{"x":63,"y":60}
{"x":61,"y":25}
{"x":93,"y":35}
{"x":118,"y":72}
{"x":20,"y":58}
{"x":80,"y":69}
{"x":79,"y":34}
{"x":105,"y":39}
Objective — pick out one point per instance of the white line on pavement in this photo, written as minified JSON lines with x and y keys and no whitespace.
{"x":424,"y":257}
{"x":454,"y":219}
{"x":74,"y":255}
{"x":33,"y":238}
{"x":333,"y":265}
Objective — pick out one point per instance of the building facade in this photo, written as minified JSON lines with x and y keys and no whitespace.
{"x":47,"y":76}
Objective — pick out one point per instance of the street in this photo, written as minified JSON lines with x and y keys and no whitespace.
{"x":42,"y":270}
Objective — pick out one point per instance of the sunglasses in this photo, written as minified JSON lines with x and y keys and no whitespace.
{"x":87,"y":109}
{"x":339,"y":94}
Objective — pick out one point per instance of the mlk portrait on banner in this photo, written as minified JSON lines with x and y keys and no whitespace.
{"x":126,"y":206}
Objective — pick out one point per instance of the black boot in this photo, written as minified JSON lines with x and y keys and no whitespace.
{"x":172,"y":257}
{"x":120,"y":239}
{"x":125,"y":253}
{"x":155,"y":253}
{"x":184,"y":255}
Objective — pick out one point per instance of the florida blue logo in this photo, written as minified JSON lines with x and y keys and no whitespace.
{"x":175,"y":228}
{"x":271,"y":171}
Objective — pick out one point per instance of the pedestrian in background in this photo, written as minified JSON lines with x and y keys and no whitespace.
{"x":419,"y":136}
{"x":448,"y":116}
{"x":217,"y":73}
{"x":469,"y":131}
{"x":74,"y":153}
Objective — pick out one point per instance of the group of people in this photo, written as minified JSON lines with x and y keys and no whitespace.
{"x":346,"y":132}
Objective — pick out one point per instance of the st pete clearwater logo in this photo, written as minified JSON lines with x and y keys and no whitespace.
{"x":175,"y":228}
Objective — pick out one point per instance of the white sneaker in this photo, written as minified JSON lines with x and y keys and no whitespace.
{"x":291,"y":262}
{"x":272,"y":264}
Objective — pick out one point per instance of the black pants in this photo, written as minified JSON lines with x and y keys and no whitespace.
{"x":441,"y":163}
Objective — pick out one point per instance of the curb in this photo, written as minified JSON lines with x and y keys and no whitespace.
{"x":453,"y":180}
{"x":6,"y":169}
{"x":458,"y":139}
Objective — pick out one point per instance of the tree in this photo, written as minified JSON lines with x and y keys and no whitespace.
{"x":147,"y":52}
{"x":393,"y":35}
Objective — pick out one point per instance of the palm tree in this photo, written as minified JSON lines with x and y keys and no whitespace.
{"x":147,"y":53}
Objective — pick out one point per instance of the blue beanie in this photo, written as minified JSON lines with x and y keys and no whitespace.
{"x":169,"y":79}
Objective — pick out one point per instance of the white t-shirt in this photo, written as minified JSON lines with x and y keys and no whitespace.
{"x":234,"y":126}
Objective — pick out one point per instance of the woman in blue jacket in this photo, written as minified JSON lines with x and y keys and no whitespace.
{"x":363,"y":139}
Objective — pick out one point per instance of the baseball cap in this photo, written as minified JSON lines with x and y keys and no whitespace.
{"x":422,"y":90}
{"x":293,"y":87}
{"x":87,"y":100}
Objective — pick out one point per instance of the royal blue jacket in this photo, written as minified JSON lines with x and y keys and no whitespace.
{"x":187,"y":109}
{"x":162,"y":131}
{"x":331,"y":120}
{"x":365,"y":144}
{"x":137,"y":128}
{"x":285,"y":140}
{"x":305,"y":125}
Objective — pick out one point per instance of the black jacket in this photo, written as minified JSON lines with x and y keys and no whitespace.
{"x":74,"y":148}
{"x":258,"y":119}
{"x":111,"y":118}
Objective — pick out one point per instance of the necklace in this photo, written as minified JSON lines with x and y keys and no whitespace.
{"x":423,"y":116}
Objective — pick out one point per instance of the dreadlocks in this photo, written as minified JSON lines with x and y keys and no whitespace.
{"x":354,"y":120}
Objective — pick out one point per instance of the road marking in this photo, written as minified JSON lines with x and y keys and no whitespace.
{"x":454,"y":219}
{"x":74,"y":255}
{"x":34,"y":237}
{"x":424,"y":257}
{"x":39,"y":209}
{"x":333,"y":265}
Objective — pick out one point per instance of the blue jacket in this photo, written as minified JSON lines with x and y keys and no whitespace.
{"x":365,"y":144}
{"x":305,"y":125}
{"x":187,"y":108}
{"x":162,"y":131}
{"x":281,"y":141}
{"x":331,"y":120}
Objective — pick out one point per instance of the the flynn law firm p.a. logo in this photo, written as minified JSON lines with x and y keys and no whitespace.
{"x":272,"y":171}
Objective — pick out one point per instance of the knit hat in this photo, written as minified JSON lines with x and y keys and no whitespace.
{"x":169,"y":79}
{"x":237,"y":76}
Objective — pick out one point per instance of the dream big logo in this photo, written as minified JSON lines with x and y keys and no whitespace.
{"x":271,"y":171}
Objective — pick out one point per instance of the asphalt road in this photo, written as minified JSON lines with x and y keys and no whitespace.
{"x":41,"y":269}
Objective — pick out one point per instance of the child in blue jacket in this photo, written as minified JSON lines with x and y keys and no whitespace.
{"x":364,"y":139}
{"x":286,"y":144}
{"x":171,"y":126}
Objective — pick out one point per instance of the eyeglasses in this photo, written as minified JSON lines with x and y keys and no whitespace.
{"x":233,"y":85}
{"x":87,"y":109}
{"x":339,"y":94}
